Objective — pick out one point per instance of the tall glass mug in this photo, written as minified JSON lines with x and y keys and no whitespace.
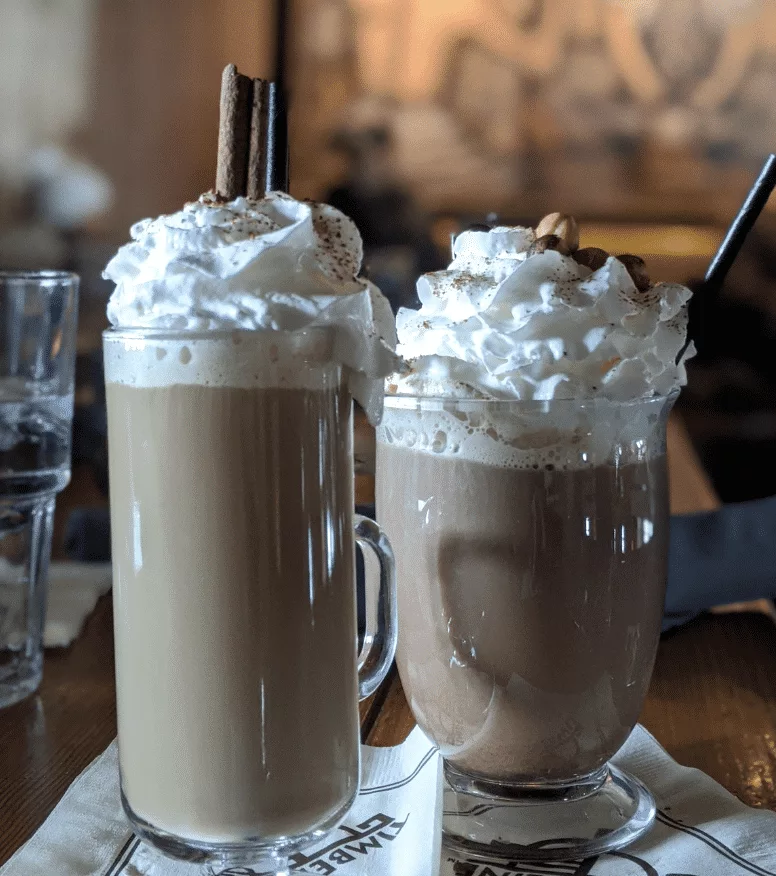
{"x":232,"y":514}
{"x":531,"y":543}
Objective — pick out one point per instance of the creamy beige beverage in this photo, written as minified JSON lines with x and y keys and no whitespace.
{"x":235,"y":608}
{"x":242,"y":335}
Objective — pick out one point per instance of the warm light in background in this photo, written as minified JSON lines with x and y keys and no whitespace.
{"x":649,"y":108}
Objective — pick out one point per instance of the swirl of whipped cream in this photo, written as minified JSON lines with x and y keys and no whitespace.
{"x":500,"y":323}
{"x":277,"y":263}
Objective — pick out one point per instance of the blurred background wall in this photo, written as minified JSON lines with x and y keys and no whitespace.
{"x":646,"y":109}
{"x":131,"y":85}
{"x":646,"y":118}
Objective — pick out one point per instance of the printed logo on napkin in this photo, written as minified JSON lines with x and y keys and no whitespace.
{"x":347,"y":845}
{"x":350,"y":844}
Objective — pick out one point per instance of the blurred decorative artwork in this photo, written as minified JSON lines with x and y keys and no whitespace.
{"x":650,"y":109}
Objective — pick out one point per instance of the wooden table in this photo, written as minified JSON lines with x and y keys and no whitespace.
{"x":712,"y":702}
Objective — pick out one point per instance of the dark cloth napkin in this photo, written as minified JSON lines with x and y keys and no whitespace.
{"x":718,"y":557}
{"x":715,"y":557}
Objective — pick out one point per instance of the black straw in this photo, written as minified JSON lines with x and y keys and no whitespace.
{"x":277,"y":128}
{"x":706,"y":294}
{"x":742,"y":224}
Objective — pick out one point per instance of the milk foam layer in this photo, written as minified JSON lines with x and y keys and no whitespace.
{"x":276,"y":264}
{"x":500,"y":323}
{"x":556,"y":435}
{"x":244,"y":360}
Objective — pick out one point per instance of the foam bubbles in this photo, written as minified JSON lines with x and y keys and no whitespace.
{"x":558,"y":438}
{"x":300,"y":361}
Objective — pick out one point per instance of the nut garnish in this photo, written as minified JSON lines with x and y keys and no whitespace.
{"x":548,"y":241}
{"x":637,"y":269}
{"x":562,"y":225}
{"x":591,"y":257}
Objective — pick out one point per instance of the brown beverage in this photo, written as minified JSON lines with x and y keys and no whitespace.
{"x":233,"y":593}
{"x":531,"y":575}
{"x":521,"y":476}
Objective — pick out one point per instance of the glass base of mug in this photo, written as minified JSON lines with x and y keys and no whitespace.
{"x":491,"y":821}
{"x":257,"y":857}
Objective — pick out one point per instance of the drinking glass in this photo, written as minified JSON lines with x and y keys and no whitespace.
{"x":38,"y":314}
{"x":233,"y":529}
{"x":531,"y":543}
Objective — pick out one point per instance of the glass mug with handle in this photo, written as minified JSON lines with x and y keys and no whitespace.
{"x":232,"y":514}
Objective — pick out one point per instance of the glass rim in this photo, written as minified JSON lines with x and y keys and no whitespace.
{"x":45,"y":276}
{"x":408,"y":401}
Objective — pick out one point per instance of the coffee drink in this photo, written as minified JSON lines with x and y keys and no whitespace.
{"x":234,"y":603}
{"x":241,"y":336}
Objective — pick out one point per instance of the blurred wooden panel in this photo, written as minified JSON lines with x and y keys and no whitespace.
{"x":156,"y":82}
{"x":690,"y":487}
{"x":43,"y":78}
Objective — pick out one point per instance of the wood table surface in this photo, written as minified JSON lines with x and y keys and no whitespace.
{"x":712,"y":702}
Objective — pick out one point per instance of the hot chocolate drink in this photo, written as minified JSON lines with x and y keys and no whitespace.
{"x":530,"y":601}
{"x":521,"y":477}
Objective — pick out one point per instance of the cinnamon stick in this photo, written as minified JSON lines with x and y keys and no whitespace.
{"x":257,"y":153}
{"x":234,"y":133}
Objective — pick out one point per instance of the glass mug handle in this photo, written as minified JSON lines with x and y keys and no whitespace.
{"x":379,"y":646}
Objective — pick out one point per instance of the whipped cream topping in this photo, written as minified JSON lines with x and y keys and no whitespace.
{"x":277,"y":263}
{"x":500,"y":323}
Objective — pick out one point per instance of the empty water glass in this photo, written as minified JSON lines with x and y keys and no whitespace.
{"x":38,"y":313}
